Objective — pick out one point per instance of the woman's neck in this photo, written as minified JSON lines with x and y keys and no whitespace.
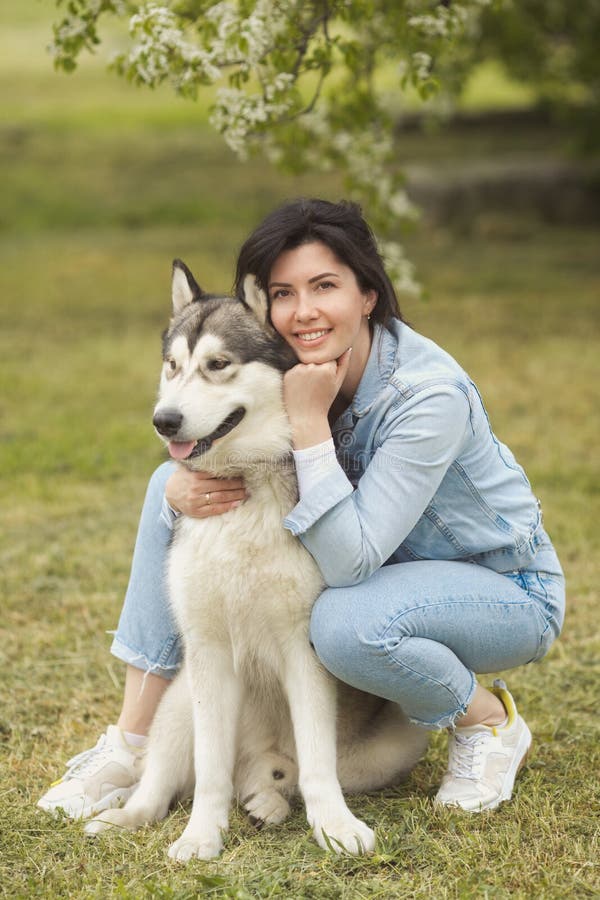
{"x":358,"y":363}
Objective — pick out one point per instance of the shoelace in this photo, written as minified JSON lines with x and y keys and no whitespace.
{"x":465,"y":758}
{"x":87,"y":760}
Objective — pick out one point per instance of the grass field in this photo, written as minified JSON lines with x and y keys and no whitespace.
{"x":100,"y":188}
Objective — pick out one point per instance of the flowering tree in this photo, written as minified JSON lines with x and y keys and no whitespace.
{"x":314,"y":83}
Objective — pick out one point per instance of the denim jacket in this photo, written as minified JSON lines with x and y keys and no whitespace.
{"x":421,"y":475}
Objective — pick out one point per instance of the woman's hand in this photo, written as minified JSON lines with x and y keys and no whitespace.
{"x":200,"y":494}
{"x":308,"y":392}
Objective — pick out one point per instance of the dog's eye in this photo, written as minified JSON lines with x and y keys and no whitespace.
{"x":171,"y":367}
{"x":218,"y":364}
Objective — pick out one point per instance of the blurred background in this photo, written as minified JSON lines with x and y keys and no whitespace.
{"x":101,"y":185}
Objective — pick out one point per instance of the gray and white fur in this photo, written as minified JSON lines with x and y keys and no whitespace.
{"x":253,"y":714}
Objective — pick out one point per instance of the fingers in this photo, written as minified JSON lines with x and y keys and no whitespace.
{"x":210,"y":498}
{"x":216,"y":509}
{"x":200,"y":504}
{"x":208,"y":482}
{"x":199,"y":494}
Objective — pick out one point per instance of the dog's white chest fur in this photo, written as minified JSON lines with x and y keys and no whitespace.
{"x":241,"y":578}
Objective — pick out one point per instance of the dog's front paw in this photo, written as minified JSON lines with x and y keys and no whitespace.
{"x":196,"y":846}
{"x":266,"y":808}
{"x":344,"y":835}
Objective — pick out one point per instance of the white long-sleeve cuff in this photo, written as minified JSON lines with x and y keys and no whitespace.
{"x":168,"y":514}
{"x":313,"y":464}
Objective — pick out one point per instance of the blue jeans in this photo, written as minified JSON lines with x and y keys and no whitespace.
{"x":414,"y":632}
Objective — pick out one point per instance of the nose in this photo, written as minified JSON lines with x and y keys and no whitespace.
{"x":305,"y":308}
{"x":167,"y":422}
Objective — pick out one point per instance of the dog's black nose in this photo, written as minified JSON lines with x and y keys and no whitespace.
{"x":167,"y":422}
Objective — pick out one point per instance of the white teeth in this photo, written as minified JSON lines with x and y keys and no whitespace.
{"x":312,"y":335}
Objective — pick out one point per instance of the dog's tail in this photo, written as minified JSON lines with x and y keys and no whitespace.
{"x":386,"y":751}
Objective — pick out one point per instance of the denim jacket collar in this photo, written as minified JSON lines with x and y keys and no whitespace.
{"x":380,"y":366}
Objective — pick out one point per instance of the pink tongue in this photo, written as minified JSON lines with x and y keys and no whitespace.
{"x":181,"y":449}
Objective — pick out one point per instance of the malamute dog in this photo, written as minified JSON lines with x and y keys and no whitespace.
{"x":252,"y":713}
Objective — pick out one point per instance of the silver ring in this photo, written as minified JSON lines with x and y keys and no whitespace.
{"x":208,"y":499}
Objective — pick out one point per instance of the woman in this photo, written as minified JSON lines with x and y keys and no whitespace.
{"x":422,"y":523}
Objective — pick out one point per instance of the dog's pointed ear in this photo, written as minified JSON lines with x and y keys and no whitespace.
{"x":256,"y":299}
{"x":184,"y":289}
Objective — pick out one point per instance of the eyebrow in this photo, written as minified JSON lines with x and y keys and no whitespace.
{"x":310,"y":280}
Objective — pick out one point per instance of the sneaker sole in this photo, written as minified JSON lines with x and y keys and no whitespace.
{"x":115,"y":799}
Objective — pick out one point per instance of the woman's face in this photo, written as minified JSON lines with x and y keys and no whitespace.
{"x":317,"y":305}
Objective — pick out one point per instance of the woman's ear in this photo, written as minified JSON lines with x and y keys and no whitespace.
{"x":371,"y":298}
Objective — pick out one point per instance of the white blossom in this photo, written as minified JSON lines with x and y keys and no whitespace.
{"x":422,"y":64}
{"x":254,"y":56}
{"x":400,"y":270}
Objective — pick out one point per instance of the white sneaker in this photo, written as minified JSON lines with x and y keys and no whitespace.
{"x":483,"y":761}
{"x":97,"y":779}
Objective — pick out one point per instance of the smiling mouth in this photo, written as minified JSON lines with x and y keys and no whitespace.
{"x":191,"y":449}
{"x":312,"y":335}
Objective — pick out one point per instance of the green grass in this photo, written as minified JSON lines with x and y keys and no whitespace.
{"x":93,"y":211}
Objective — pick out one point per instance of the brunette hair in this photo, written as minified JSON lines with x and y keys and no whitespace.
{"x":340,"y":226}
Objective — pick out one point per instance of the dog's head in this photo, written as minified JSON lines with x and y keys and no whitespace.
{"x":220,"y":401}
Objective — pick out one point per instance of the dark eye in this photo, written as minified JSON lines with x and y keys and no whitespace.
{"x":172,"y":364}
{"x":218,"y":364}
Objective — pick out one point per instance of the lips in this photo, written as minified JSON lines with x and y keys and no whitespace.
{"x":312,"y":337}
{"x":191,"y":449}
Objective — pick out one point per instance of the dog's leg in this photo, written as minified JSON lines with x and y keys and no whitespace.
{"x":215,"y":693}
{"x":168,"y":769}
{"x":312,"y":699}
